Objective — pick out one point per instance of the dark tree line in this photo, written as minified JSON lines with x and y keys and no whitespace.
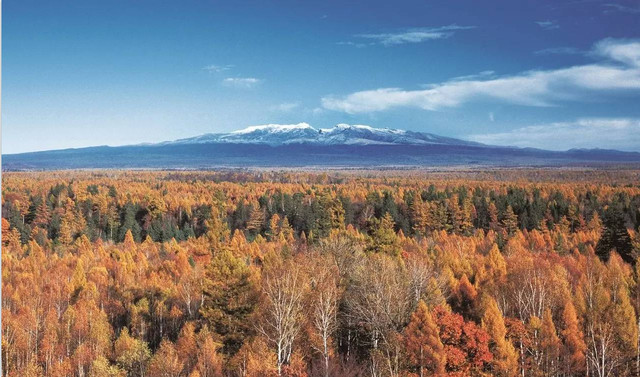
{"x":314,"y":211}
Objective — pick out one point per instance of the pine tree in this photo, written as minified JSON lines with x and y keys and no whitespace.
{"x":492,"y":212}
{"x":384,"y":238}
{"x":130,"y":223}
{"x":186,"y":346}
{"x":286,"y":231}
{"x":467,"y":213}
{"x":574,"y":347}
{"x":624,"y":319}
{"x":595,"y":224}
{"x":439,"y":216}
{"x":422,"y":342}
{"x":129,"y":243}
{"x":43,"y":215}
{"x":79,"y":280}
{"x":454,"y":214}
{"x":209,"y":362}
{"x":550,"y":344}
{"x":102,"y":368}
{"x":274,"y":227}
{"x":230,"y":298}
{"x":256,"y":220}
{"x":65,"y":235}
{"x":337,"y":214}
{"x":464,"y":299}
{"x":496,"y":265}
{"x":510,"y":221}
{"x":505,"y":363}
{"x":165,"y":362}
{"x":615,"y":236}
{"x":420,"y":215}
{"x":131,"y":354}
{"x":217,"y":229}
{"x":113,"y":220}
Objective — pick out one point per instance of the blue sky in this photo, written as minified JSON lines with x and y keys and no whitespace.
{"x":554,"y":75}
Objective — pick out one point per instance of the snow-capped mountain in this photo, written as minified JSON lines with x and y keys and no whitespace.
{"x":300,"y":145}
{"x":303,"y":133}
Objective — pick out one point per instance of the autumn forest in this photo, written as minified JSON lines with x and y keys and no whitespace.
{"x":527,"y":272}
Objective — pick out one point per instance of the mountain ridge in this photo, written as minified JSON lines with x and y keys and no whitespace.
{"x":300,"y":145}
{"x":303,"y":133}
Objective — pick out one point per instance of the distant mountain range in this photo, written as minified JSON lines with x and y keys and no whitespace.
{"x":301,"y":145}
{"x":303,"y":133}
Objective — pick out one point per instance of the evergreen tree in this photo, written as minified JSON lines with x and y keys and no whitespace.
{"x":165,"y":362}
{"x":256,"y":220}
{"x":286,"y":231}
{"x":550,"y":344}
{"x":573,"y":339}
{"x":420,"y":216}
{"x":467,"y":213}
{"x":131,"y":354}
{"x":615,"y":236}
{"x":217,"y":229}
{"x":129,"y":223}
{"x":506,"y":359}
{"x":422,"y":342}
{"x":230,"y":297}
{"x":510,"y":221}
{"x":42,"y":214}
{"x":384,"y":237}
{"x":337,"y":213}
{"x":492,"y":212}
{"x":274,"y":227}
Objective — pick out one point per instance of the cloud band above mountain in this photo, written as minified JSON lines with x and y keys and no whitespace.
{"x":607,"y":133}
{"x":618,"y":69}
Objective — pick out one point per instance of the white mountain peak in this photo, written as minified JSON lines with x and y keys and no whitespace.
{"x":274,"y":128}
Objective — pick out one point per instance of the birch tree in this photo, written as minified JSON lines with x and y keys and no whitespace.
{"x":283,"y":290}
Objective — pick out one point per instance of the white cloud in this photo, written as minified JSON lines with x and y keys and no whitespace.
{"x":480,"y":75}
{"x":492,"y":117}
{"x":241,"y":82}
{"x":626,"y":51}
{"x":619,"y":69}
{"x":559,"y":51}
{"x":607,"y":133}
{"x":613,"y":7}
{"x":415,"y":35}
{"x":354,"y":44}
{"x":217,"y":68}
{"x":286,"y":107}
{"x":548,"y":25}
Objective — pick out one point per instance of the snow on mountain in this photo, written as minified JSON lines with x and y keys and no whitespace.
{"x":274,"y":128}
{"x":303,"y":133}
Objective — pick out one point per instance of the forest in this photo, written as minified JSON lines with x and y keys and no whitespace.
{"x":526,"y":272}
